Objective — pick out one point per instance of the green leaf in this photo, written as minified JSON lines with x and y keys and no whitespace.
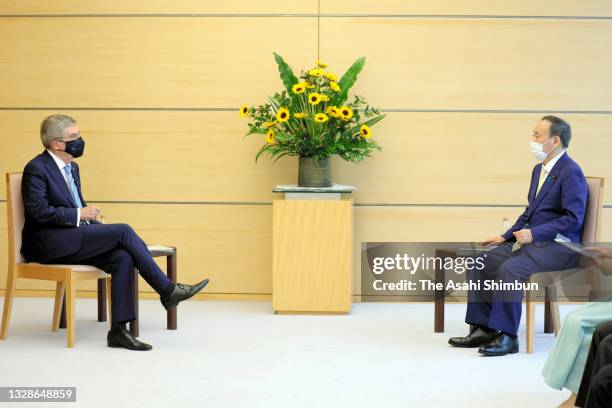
{"x":263,"y":149}
{"x":284,"y":137}
{"x":255,"y":131}
{"x":275,"y":104}
{"x":348,"y":80}
{"x":286,"y":73}
{"x":369,"y":123}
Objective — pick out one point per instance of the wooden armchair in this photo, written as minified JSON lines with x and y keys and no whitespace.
{"x":590,"y":235}
{"x":66,"y":276}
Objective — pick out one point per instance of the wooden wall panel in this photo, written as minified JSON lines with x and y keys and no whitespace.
{"x":427,"y":158}
{"x":477,"y":7}
{"x":134,"y":62}
{"x":148,"y":62}
{"x":474,"y":7}
{"x":157,"y":156}
{"x":476,"y":63}
{"x":155,"y":6}
{"x":233,"y":244}
{"x":468,"y":89}
{"x":475,"y":158}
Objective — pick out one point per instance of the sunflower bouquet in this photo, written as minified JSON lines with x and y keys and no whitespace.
{"x":312,"y":118}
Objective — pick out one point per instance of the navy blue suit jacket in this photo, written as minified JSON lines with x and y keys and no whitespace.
{"x":50,"y":230}
{"x":559,"y":206}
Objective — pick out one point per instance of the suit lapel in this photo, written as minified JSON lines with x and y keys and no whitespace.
{"x":551,"y":179}
{"x":57,"y":175}
{"x":534,"y":184}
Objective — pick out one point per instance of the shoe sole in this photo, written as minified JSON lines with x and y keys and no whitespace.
{"x":469,"y":346}
{"x":489,"y":354}
{"x":464,"y":346}
{"x":114,"y":345}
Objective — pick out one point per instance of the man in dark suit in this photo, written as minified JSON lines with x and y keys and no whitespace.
{"x":61,"y":228}
{"x":556,"y":205}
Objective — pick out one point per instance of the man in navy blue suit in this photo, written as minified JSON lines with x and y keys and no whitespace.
{"x":61,"y":228}
{"x":557,"y":201}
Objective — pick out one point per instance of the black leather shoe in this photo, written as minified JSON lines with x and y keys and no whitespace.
{"x":501,"y":346}
{"x":476,"y":338}
{"x":124,"y":339}
{"x":182,"y":292}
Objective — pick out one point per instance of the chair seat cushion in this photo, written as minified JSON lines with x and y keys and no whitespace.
{"x":76,"y":268}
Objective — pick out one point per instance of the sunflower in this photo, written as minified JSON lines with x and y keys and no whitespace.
{"x":270,"y":137}
{"x":365,"y":131}
{"x":283,"y":115}
{"x":310,"y":86}
{"x":346,"y":113}
{"x":333,"y":111}
{"x":299,"y":88}
{"x":324,"y":98}
{"x":321,"y":64}
{"x":334,"y":86}
{"x":300,"y":115}
{"x":315,"y":72}
{"x":331,"y":76}
{"x":269,"y":124}
{"x":321,"y":117}
{"x":244,"y":111}
{"x":314,"y":98}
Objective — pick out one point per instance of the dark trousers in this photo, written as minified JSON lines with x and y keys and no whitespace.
{"x":501,"y":310}
{"x":596,"y":385}
{"x":117,"y":250}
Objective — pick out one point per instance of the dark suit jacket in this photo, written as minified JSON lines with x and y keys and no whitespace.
{"x":50,"y":230}
{"x":559,"y":206}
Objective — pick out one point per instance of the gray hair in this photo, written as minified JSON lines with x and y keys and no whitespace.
{"x":52,"y":128}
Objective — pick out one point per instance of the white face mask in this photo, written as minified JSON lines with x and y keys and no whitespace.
{"x":537,"y":150}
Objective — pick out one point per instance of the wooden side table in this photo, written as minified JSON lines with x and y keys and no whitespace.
{"x":171,"y":320}
{"x":312,"y":250}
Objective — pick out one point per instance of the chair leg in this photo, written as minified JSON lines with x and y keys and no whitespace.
{"x":70,"y":303}
{"x":101,"y":300}
{"x":107,"y":282}
{"x":60,"y":289}
{"x":529,"y":322}
{"x":134,"y":325}
{"x":9,"y":294}
{"x":554,"y":309}
{"x":62,"y":322}
{"x":549,"y":324}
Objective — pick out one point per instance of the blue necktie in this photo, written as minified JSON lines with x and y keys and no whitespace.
{"x":72,"y":185}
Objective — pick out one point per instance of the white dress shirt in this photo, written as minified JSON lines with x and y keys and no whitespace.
{"x":61,"y":164}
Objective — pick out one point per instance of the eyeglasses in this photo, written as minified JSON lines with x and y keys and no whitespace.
{"x":60,"y":139}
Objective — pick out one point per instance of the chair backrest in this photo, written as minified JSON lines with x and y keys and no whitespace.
{"x":16,"y":217}
{"x":594,"y":211}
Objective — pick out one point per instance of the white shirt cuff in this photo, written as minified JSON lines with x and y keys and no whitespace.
{"x":78,"y":217}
